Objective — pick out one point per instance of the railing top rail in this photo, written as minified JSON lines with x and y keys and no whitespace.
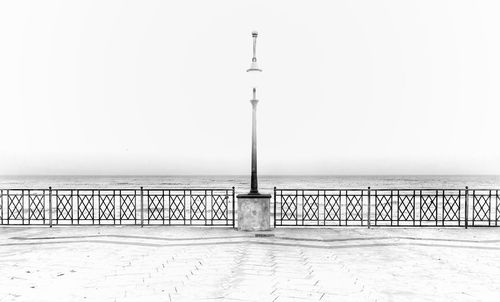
{"x":319,"y":189}
{"x":25,"y":189}
{"x":388,"y":189}
{"x":118,"y":189}
{"x":430,"y":189}
{"x":189,"y":189}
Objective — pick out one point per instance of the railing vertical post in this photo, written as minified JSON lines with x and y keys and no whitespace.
{"x":50,"y":206}
{"x":497,"y":208}
{"x":185,"y":208}
{"x":369,"y":208}
{"x":142,"y":208}
{"x":274,"y":215}
{"x":392,"y":206}
{"x":206,"y":207}
{"x":443,"y":200}
{"x":8,"y":207}
{"x":114,"y":207}
{"x":318,"y":207}
{"x":78,"y":207}
{"x":29,"y":206}
{"x":414,"y":206}
{"x":234,"y":207}
{"x":98,"y":206}
{"x":497,"y":211}
{"x":442,"y":205}
{"x":397,"y":210}
{"x":296,"y":207}
{"x":466,"y":207}
{"x":489,"y":209}
{"x":459,"y":207}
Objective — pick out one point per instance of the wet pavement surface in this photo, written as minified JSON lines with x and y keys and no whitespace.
{"x":110,"y":263}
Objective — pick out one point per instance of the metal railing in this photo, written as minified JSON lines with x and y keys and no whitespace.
{"x":212,"y":207}
{"x":205,"y":206}
{"x":387,"y":207}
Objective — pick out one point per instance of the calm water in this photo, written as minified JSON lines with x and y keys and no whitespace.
{"x":242,"y":182}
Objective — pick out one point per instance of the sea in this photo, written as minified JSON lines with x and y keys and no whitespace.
{"x":242,"y":182}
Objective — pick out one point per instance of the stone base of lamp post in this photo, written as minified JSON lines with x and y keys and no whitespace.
{"x":254,"y":212}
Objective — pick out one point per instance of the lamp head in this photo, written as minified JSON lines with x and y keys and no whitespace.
{"x":253,"y":65}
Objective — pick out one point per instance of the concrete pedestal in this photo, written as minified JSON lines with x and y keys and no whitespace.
{"x":253,"y":212}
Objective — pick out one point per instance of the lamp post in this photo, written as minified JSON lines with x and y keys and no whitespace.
{"x":254,"y":70}
{"x":254,"y":186}
{"x":253,"y":208}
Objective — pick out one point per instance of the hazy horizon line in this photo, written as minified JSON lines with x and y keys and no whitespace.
{"x":298,"y":174}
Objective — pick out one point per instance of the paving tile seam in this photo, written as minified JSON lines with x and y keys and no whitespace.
{"x":254,"y":241}
{"x":252,"y":236}
{"x":387,"y":238}
{"x":131,"y":237}
{"x":249,"y":238}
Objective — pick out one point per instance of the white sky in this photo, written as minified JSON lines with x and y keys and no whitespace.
{"x":159,"y":87}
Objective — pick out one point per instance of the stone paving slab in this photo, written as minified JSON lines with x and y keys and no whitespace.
{"x":206,"y":264}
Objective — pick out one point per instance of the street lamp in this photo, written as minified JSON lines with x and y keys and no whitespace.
{"x":253,"y":208}
{"x":253,"y":72}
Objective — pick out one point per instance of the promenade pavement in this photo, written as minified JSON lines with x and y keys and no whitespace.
{"x":116,"y":263}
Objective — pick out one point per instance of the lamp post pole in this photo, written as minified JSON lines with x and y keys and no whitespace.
{"x":254,"y":187}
